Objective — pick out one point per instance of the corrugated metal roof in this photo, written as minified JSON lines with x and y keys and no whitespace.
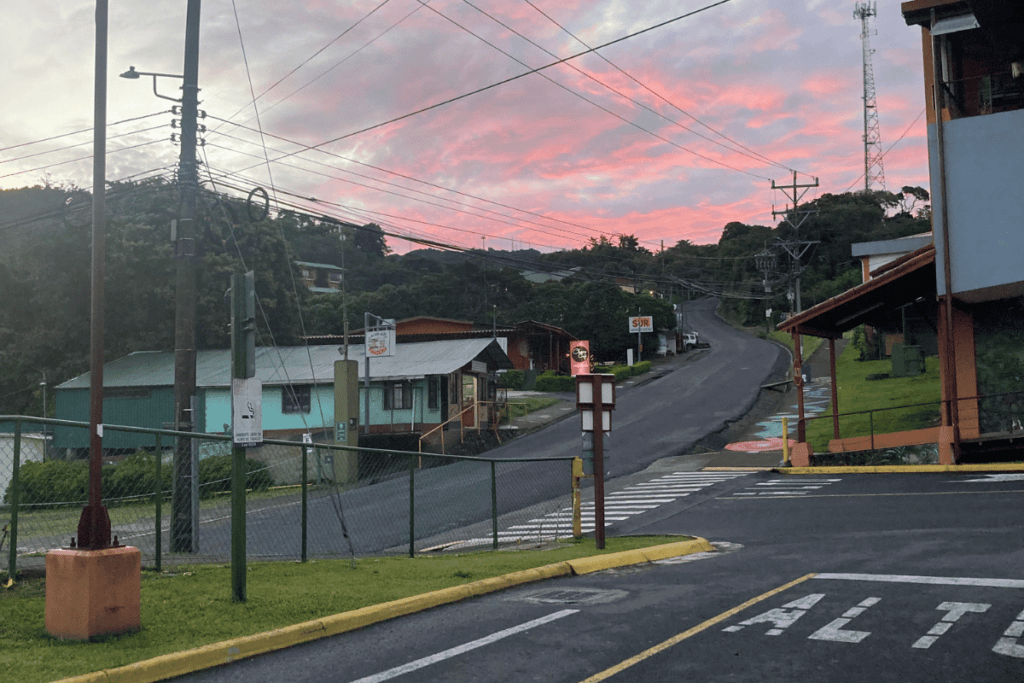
{"x":298,"y":364}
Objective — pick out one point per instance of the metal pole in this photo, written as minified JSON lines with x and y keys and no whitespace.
{"x":94,"y":523}
{"x":185,"y":292}
{"x":412,"y":508}
{"x":598,"y":463}
{"x":305,"y":500}
{"x":239,"y":357}
{"x":366,"y":373}
{"x":494,"y":505}
{"x":159,"y":502}
{"x":15,"y":501}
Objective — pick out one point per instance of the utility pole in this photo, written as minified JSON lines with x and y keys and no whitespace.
{"x":184,"y":531}
{"x":873,"y":171}
{"x":795,"y":218}
{"x":94,"y":522}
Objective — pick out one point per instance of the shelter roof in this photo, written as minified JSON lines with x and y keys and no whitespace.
{"x":897,"y":284}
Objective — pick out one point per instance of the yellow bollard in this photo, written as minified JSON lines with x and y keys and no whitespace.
{"x":785,"y":442}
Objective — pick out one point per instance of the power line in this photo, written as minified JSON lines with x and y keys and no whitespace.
{"x":505,"y":81}
{"x":583,"y":97}
{"x":661,"y":97}
{"x":80,"y":132}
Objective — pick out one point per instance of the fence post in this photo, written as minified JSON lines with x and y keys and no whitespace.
{"x":305,"y":501}
{"x":871,"y":425}
{"x":412,"y":508}
{"x":494,"y":504}
{"x":159,"y":501}
{"x":12,"y":551}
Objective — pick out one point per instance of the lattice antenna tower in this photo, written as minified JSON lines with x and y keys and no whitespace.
{"x":874,"y":174}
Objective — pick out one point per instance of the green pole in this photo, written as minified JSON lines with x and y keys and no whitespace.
{"x":305,"y":500}
{"x":12,"y":552}
{"x":159,"y":502}
{"x":238,"y":524}
{"x":242,"y":367}
{"x":412,"y":507}
{"x":494,"y":505}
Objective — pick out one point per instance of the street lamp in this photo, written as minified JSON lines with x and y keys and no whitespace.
{"x":184,"y":493}
{"x":132,"y":74}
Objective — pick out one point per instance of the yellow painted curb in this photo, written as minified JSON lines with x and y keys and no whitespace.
{"x":217,"y":654}
{"x":903,"y":469}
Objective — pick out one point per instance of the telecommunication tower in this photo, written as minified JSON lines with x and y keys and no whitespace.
{"x":873,"y":172}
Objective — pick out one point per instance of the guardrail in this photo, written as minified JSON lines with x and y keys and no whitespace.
{"x":985,"y":418}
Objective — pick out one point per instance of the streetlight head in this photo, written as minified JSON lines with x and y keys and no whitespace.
{"x":131,"y":73}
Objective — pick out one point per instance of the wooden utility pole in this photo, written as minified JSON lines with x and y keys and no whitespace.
{"x":184,"y":531}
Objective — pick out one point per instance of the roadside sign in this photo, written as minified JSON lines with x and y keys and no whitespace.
{"x":579,"y":358}
{"x":641,"y":323}
{"x":246,"y":412}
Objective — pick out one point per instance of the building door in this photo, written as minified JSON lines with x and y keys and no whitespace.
{"x":469,"y":397}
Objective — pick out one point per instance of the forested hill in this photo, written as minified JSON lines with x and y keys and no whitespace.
{"x":44,"y":275}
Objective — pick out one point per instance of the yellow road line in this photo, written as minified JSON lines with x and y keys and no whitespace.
{"x":674,"y":640}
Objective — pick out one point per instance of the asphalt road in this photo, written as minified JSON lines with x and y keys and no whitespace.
{"x":655,"y":419}
{"x":818,"y":578}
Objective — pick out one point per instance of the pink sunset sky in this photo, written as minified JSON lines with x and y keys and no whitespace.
{"x":679,"y":132}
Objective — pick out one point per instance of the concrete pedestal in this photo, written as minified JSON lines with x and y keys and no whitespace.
{"x":93,"y":592}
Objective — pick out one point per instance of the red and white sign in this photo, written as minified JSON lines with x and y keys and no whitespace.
{"x":579,"y":357}
{"x":641,"y":323}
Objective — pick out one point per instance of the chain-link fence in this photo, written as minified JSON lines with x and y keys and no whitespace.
{"x":172,"y":498}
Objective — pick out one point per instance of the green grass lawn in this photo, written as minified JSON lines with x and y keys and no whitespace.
{"x":810,"y":344}
{"x":192,"y":606}
{"x":857,"y":393}
{"x":521,"y":406}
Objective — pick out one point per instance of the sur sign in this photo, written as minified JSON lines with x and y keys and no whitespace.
{"x":641,"y":323}
{"x":579,"y":357}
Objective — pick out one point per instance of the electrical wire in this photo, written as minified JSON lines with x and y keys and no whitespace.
{"x":505,"y":81}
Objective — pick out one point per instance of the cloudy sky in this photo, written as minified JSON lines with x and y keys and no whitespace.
{"x":667,"y":135}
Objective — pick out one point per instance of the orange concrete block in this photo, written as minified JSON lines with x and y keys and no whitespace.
{"x":93,"y":592}
{"x":800,"y":454}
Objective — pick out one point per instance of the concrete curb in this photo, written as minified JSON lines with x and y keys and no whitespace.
{"x":903,"y":469}
{"x":217,"y":654}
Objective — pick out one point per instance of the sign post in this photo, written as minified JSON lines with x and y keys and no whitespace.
{"x":640,"y":324}
{"x":595,"y":398}
{"x":246,"y":415}
{"x":378,"y":341}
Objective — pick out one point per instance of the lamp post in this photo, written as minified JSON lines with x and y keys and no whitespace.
{"x":184,"y":532}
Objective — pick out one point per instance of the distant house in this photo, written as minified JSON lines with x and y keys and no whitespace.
{"x":419,"y":388}
{"x":320,"y":278}
{"x":530,"y":345}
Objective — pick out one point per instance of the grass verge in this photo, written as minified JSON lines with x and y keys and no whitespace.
{"x":192,"y":606}
{"x":884,"y":396}
{"x":522,"y":406}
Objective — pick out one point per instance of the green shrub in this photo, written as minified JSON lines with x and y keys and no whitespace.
{"x":66,"y":482}
{"x":215,"y":475}
{"x":641,"y":367}
{"x":134,"y":476}
{"x":52,"y":482}
{"x":553,"y":382}
{"x":513,"y":379}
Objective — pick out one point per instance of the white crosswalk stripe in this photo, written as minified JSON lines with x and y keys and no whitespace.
{"x":788,"y":486}
{"x":619,"y":506}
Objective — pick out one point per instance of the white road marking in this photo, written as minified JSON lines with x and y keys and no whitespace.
{"x":780,"y":618}
{"x":834,"y":631}
{"x":954,"y":611}
{"x":462,"y":649}
{"x":991,"y":478}
{"x":1008,"y":645}
{"x":928,"y":580}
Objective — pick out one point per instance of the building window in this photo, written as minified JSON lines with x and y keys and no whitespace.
{"x":295,"y":398}
{"x":434,"y":393}
{"x":397,"y":396}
